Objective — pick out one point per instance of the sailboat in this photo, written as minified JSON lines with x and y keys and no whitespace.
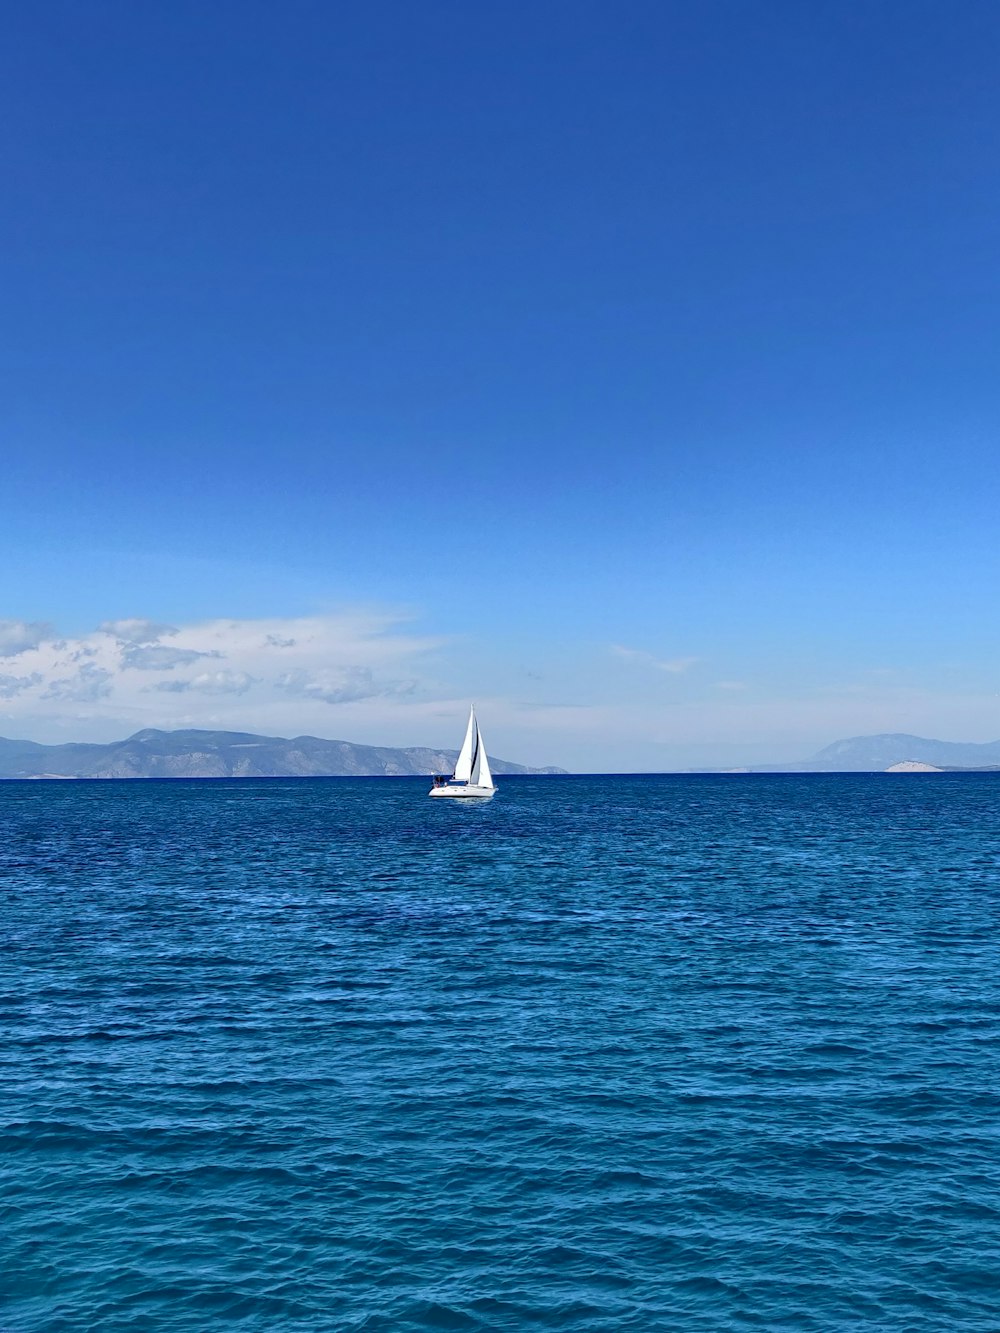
{"x":472,"y":777}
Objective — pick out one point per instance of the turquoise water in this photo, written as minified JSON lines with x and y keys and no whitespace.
{"x":702,"y":1053}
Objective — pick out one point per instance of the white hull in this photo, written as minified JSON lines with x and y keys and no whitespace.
{"x":464,"y":791}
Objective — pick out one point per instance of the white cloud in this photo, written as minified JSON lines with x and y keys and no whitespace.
{"x":137,"y":630}
{"x":210,"y":682}
{"x":157,"y":658}
{"x":339,"y":685}
{"x":20,"y":636}
{"x":84,"y":686}
{"x":11,"y":685}
{"x":676,"y":666}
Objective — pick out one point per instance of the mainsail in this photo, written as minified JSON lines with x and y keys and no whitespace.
{"x":473,"y":766}
{"x":463,"y":768}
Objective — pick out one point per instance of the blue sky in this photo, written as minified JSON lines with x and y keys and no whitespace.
{"x":629,"y":369}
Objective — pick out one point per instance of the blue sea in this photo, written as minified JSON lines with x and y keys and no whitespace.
{"x":634,"y":1053}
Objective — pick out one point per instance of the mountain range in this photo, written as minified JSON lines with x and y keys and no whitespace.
{"x":227,"y":754}
{"x":874,"y":754}
{"x":237,"y":754}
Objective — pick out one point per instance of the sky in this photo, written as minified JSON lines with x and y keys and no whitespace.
{"x":631,"y":370}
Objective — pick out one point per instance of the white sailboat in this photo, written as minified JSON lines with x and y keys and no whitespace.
{"x":472,"y":776}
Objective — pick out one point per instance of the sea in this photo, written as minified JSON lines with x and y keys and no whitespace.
{"x":670,"y":1053}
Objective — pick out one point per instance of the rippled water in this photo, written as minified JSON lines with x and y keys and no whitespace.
{"x":700,"y":1053}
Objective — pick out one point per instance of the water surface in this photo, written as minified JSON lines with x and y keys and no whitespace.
{"x":702,"y":1053}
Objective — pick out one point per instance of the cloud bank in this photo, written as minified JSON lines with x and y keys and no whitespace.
{"x":269,"y":675}
{"x":369,"y":676}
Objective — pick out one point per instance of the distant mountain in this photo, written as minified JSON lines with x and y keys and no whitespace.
{"x":227,"y":754}
{"x":874,"y":754}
